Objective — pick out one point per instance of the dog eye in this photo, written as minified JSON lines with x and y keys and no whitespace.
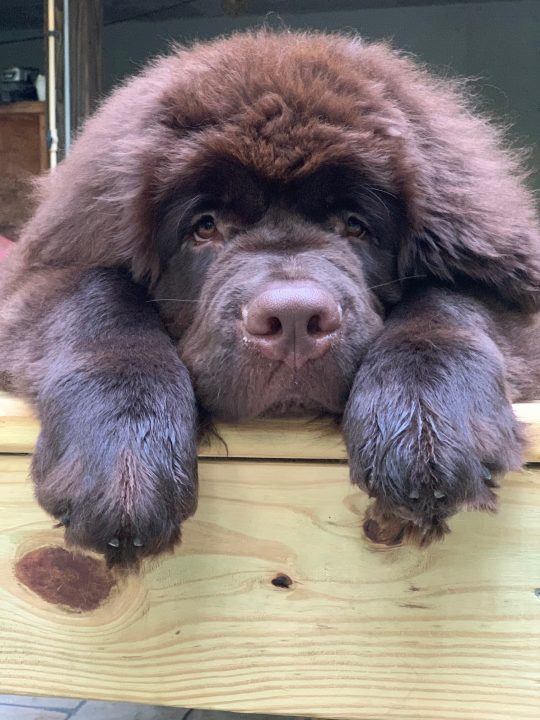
{"x":355,"y":226}
{"x":206,"y":229}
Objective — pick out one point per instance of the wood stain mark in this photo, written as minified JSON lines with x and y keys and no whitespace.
{"x":282,"y":581}
{"x":414,"y":606}
{"x":75,"y":581}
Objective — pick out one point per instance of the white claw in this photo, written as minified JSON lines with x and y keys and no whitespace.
{"x":438,"y":494}
{"x":414,"y":494}
{"x":137,"y":542}
{"x":115,"y":543}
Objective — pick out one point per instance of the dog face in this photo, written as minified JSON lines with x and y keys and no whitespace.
{"x":274,"y":289}
{"x":278,"y":229}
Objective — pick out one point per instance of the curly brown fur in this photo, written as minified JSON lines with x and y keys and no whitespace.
{"x":113,"y":316}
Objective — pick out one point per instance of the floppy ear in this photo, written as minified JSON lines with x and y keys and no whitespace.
{"x":93,"y":208}
{"x":472,"y":217}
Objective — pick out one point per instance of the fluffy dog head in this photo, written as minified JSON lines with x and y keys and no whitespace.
{"x":276,"y":192}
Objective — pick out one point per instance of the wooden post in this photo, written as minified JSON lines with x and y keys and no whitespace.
{"x":59,"y":70}
{"x":86,"y":30}
{"x":86,"y":33}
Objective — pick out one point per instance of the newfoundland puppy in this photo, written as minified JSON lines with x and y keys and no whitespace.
{"x":266,"y":225}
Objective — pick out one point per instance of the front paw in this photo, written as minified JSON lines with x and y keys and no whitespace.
{"x":423,"y":460}
{"x":120,"y":474}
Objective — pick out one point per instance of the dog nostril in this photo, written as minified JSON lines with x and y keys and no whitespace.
{"x":274,"y":326}
{"x":314,"y":325}
{"x":292,"y":322}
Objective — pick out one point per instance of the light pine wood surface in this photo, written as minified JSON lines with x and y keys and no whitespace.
{"x":273,"y":439}
{"x":447,"y":633}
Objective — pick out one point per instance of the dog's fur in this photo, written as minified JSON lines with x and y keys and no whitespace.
{"x":114,"y":322}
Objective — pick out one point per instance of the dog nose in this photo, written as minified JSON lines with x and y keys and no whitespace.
{"x":292,"y":322}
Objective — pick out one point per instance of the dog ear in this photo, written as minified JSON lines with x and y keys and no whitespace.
{"x":473,"y":219}
{"x":94,"y":208}
{"x":471,"y":241}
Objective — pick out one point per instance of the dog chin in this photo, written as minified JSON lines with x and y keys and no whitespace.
{"x":296,"y":407}
{"x":271,"y":390}
{"x":296,"y":399}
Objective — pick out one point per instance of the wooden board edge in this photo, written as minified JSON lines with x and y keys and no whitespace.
{"x":268,"y":439}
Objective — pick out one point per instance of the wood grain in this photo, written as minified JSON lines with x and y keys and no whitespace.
{"x":452,"y":632}
{"x":278,"y":439}
{"x":23,"y":154}
{"x":23,"y":142}
{"x":86,"y":28}
{"x":26,"y":107}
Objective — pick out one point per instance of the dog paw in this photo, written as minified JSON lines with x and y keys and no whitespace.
{"x":126,"y":503}
{"x":383,"y":527}
{"x":120,"y":475}
{"x":422,"y":467}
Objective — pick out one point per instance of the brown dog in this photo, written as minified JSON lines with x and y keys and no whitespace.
{"x":275,"y":224}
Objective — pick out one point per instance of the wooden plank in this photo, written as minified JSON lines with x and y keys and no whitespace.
{"x":86,"y":62}
{"x":18,"y":426}
{"x":529,"y":413}
{"x":21,"y":146}
{"x":23,"y":154}
{"x":59,"y":74}
{"x":86,"y":40}
{"x":294,"y":439}
{"x":451,"y":632}
{"x":25,"y":107}
{"x":276,"y":439}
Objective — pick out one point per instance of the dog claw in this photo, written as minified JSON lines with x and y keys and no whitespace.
{"x":137,"y":542}
{"x":63,"y":521}
{"x":114,"y":542}
{"x":438,"y":494}
{"x":414,"y":495}
{"x":486,"y":473}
